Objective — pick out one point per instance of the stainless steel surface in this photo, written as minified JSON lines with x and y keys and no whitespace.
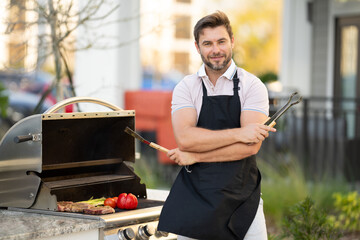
{"x":145,"y":231}
{"x":18,"y":187}
{"x":112,"y":234}
{"x":75,"y":100}
{"x":280,"y":112}
{"x":132,"y":217}
{"x":126,"y":234}
{"x":136,"y":135}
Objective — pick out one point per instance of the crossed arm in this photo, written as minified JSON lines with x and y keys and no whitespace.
{"x":202,"y":145}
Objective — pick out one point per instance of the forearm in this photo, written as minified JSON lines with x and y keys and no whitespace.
{"x":195,"y":139}
{"x":232,"y":152}
{"x":191,"y":138}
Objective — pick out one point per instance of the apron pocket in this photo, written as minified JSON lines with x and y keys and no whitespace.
{"x":216,"y":176}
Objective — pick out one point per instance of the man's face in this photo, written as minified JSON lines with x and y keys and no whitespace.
{"x":215,"y":48}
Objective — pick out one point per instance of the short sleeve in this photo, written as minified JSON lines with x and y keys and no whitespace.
{"x":181,"y":97}
{"x":256,"y":96}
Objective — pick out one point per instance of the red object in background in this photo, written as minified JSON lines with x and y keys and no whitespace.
{"x":51,"y":98}
{"x":153,"y":113}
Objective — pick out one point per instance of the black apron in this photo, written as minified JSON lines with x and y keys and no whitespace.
{"x":216,"y":200}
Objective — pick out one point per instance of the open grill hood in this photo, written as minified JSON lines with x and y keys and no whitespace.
{"x":54,"y":157}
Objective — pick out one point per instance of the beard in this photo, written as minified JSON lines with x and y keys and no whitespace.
{"x":216,"y":66}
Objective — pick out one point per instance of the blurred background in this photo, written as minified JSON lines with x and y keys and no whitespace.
{"x":133,"y":53}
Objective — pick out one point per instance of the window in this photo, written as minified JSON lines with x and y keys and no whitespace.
{"x":182,"y":27}
{"x":16,"y":46}
{"x":182,"y":61}
{"x":347,"y":71}
{"x":17,"y":52}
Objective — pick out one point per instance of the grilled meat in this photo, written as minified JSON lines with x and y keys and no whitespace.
{"x":79,"y":207}
{"x":64,"y":206}
{"x":100,"y":210}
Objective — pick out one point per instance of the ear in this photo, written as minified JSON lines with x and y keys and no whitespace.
{"x":232,"y":42}
{"x":197,"y":47}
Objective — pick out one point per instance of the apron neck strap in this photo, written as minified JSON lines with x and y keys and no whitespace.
{"x":203,"y":88}
{"x":236,"y":83}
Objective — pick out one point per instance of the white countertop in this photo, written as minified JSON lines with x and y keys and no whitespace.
{"x":157,"y":194}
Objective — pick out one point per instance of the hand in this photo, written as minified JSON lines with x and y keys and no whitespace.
{"x":182,"y":158}
{"x":254,"y":133}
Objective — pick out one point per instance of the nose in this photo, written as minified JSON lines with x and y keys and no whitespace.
{"x":216,"y":48}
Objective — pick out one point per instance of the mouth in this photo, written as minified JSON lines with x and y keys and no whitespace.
{"x":217,"y":58}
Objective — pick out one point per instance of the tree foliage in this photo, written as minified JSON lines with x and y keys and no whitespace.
{"x":3,"y":101}
{"x":347,"y":208}
{"x":56,"y":22}
{"x":306,"y":222}
{"x":256,"y":27}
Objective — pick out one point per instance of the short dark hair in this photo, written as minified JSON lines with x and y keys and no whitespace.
{"x":213,"y":20}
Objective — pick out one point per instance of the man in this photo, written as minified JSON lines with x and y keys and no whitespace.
{"x":217,"y":117}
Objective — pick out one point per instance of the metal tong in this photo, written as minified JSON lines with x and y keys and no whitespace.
{"x":271,"y":121}
{"x":151,"y":144}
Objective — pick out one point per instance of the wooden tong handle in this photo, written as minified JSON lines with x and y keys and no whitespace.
{"x":272,"y":124}
{"x":158,"y":147}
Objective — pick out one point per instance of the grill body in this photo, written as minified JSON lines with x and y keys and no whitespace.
{"x":18,"y":188}
{"x":52,"y":157}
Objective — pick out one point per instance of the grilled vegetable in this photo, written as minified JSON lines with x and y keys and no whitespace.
{"x":95,"y":202}
{"x":127,"y":201}
{"x":110,"y":202}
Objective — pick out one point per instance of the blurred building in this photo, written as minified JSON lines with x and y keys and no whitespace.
{"x":320,"y":47}
{"x":146,"y":44}
{"x":320,"y":58}
{"x":157,"y":34}
{"x":15,"y":51}
{"x":112,"y":67}
{"x":167,"y":44}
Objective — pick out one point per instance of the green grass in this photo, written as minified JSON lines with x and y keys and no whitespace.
{"x":148,"y":173}
{"x":284,"y":185}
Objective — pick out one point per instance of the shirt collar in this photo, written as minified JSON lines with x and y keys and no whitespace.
{"x":228,"y":74}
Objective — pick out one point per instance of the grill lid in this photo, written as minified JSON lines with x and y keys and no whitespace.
{"x":17,"y":186}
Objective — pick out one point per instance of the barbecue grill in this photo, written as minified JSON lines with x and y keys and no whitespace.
{"x":53,"y":157}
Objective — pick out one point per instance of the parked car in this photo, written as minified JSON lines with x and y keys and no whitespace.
{"x":26,"y":81}
{"x":21,"y":104}
{"x":24,"y":90}
{"x":36,"y":82}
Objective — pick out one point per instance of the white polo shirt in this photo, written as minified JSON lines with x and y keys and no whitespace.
{"x":253,"y":93}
